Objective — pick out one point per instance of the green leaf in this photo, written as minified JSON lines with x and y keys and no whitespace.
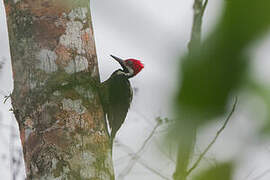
{"x":219,"y":172}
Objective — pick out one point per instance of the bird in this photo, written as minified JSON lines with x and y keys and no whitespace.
{"x":116,"y":94}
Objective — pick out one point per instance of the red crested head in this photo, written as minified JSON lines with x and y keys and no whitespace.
{"x":131,"y":67}
{"x":135,"y":64}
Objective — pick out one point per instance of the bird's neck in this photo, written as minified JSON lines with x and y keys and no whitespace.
{"x":128,"y":74}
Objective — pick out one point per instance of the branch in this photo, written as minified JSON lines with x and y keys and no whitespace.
{"x":6,"y":98}
{"x":214,"y":140}
{"x":167,"y":155}
{"x":204,"y":7}
{"x":136,"y":156}
{"x":148,"y":138}
{"x":131,"y":153}
{"x":194,"y":45}
{"x":198,"y":11}
{"x":262,"y":174}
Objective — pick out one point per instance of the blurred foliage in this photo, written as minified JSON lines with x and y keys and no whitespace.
{"x":219,"y":172}
{"x":261,"y":91}
{"x":213,"y":73}
{"x":216,"y":70}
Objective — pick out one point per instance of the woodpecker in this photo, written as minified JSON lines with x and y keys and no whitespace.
{"x":116,"y":93}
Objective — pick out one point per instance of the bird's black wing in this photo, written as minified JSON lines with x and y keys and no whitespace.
{"x":120,"y":97}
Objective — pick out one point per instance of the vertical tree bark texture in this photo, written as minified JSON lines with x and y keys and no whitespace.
{"x":55,"y":98}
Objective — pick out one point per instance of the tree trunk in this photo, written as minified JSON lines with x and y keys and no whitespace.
{"x":55,"y":97}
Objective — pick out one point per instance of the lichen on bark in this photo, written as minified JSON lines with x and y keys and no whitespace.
{"x":55,"y":98}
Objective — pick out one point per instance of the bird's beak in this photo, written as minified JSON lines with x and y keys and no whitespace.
{"x":120,"y":61}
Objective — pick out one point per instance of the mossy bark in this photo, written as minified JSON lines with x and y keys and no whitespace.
{"x":55,"y":98}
